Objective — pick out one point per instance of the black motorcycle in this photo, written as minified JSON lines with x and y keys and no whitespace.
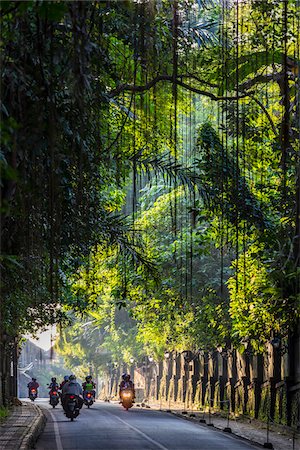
{"x":32,"y":394}
{"x":54,"y":398}
{"x":127,"y":398}
{"x":71,"y":407}
{"x":88,"y":398}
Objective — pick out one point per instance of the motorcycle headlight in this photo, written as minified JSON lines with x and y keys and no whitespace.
{"x":127,"y":395}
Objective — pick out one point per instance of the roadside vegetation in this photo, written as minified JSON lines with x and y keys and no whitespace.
{"x":150,"y":166}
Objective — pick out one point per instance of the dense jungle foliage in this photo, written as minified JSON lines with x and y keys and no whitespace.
{"x":150,"y":174}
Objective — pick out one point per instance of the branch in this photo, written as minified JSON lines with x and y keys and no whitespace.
{"x":259,"y":79}
{"x":122,"y":126}
{"x":134,"y":88}
{"x":195,"y":77}
{"x":267,"y":114}
{"x":179,"y":82}
{"x":142,"y":88}
{"x":4,"y":12}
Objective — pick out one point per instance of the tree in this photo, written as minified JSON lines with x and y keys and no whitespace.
{"x":91,"y":102}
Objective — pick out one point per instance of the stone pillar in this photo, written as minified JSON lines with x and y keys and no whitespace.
{"x":194,"y":373}
{"x":203,"y":376}
{"x":274,"y":375}
{"x":254,"y":388}
{"x":232,"y":376}
{"x":222,"y":376}
{"x":158,"y":379}
{"x":241,"y":386}
{"x":211,"y":379}
{"x":176,"y":372}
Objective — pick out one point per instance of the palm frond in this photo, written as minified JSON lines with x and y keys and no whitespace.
{"x":167,"y":167}
{"x":118,"y":231}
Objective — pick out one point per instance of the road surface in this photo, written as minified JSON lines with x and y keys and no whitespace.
{"x":107,"y":426}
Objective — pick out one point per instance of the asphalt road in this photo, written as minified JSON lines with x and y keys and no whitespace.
{"x":107,"y":426}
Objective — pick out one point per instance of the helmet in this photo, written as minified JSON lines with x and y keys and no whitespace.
{"x":72,"y":378}
{"x":66,"y":378}
{"x":53,"y":380}
{"x":88,"y":378}
{"x":127,"y":377}
{"x":124,"y":375}
{"x":33,"y":379}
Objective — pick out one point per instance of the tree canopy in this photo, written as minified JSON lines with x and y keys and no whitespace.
{"x":150,"y":167}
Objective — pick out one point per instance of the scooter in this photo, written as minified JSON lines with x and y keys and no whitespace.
{"x":71,"y":407}
{"x":32,"y":394}
{"x":54,"y":398}
{"x":127,"y":398}
{"x":88,"y":398}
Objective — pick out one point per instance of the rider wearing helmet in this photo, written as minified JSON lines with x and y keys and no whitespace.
{"x":126,"y":383}
{"x":53,"y":385}
{"x":89,"y":386}
{"x":33,"y":384}
{"x":72,"y":388}
{"x":65,"y":380}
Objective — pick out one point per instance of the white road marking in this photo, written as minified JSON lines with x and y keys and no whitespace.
{"x":56,"y":431}
{"x":162,"y":447}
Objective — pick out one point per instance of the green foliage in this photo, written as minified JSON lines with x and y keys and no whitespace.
{"x":265,"y":404}
{"x":209,"y":255}
{"x":4,"y":412}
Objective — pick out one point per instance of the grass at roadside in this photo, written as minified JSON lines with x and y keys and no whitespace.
{"x":3,"y":413}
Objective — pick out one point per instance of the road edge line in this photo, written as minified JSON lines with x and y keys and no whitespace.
{"x":58,"y":442}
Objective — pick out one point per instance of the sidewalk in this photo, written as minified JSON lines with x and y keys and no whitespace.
{"x":282,"y":438}
{"x":21,"y":429}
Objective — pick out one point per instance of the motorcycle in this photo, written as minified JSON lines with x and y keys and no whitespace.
{"x":88,"y":398}
{"x":54,"y":398}
{"x":32,"y":394}
{"x":127,"y":398}
{"x":71,"y":407}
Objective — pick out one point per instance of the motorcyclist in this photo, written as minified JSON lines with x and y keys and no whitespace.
{"x":33,"y":384}
{"x":53,"y":386}
{"x":72,"y":388}
{"x":122,"y":385}
{"x":126,"y":383}
{"x":89,"y":386}
{"x":65,"y":380}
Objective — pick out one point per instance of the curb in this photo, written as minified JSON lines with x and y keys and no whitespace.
{"x":220,"y":430}
{"x":35,"y":429}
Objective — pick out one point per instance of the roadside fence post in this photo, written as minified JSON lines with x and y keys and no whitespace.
{"x":209,"y":417}
{"x":293,"y":439}
{"x":268,"y":444}
{"x":227,"y":429}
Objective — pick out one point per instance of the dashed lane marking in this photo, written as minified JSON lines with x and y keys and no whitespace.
{"x":162,"y":447}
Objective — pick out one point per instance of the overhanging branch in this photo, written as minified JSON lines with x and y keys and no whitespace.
{"x":179,"y":81}
{"x":142,"y":88}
